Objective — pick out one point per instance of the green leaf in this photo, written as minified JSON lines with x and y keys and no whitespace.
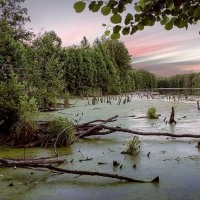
{"x":197,"y":13}
{"x":164,"y":20}
{"x":137,"y":8}
{"x":116,"y":19}
{"x":96,"y":8}
{"x":129,"y":18}
{"x":105,"y":10}
{"x":100,"y":3}
{"x":107,"y":33}
{"x":114,"y":10}
{"x":140,"y":27}
{"x":126,"y":31}
{"x":79,"y":6}
{"x":121,"y":6}
{"x":142,"y":3}
{"x":134,"y":30}
{"x":169,"y":25}
{"x":171,"y":7}
{"x":177,"y":22}
{"x":181,"y":23}
{"x":117,"y":29}
{"x":112,"y":3}
{"x":115,"y":36}
{"x":91,"y":5}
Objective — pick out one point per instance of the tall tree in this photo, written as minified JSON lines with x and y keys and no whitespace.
{"x":84,"y":42}
{"x":47,"y":58}
{"x":12,"y":52}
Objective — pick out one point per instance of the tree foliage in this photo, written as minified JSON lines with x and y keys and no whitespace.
{"x":47,"y":64}
{"x":169,"y":13}
{"x":15,"y":105}
{"x":105,"y":67}
{"x":180,"y":81}
{"x":16,"y":16}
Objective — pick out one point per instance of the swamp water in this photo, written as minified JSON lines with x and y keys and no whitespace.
{"x":175,"y":161}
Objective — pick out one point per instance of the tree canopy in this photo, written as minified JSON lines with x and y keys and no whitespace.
{"x":170,"y":13}
{"x":16,"y":16}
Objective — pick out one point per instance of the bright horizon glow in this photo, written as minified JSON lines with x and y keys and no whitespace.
{"x":163,"y":52}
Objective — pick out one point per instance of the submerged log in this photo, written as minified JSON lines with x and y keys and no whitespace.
{"x":47,"y":164}
{"x":28,"y":162}
{"x":50,"y":109}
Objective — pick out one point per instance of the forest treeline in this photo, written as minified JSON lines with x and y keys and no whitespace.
{"x":180,"y":81}
{"x":49,"y":70}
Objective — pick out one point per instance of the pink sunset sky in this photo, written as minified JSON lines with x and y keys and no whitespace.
{"x":163,"y":52}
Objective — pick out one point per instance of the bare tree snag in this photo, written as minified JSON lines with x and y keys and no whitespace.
{"x":198,"y":106}
{"x":172,"y":120}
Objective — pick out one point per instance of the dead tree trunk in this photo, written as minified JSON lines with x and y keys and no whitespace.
{"x":198,"y":106}
{"x":172,"y":120}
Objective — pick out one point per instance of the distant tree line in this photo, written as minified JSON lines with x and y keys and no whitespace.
{"x":180,"y":81}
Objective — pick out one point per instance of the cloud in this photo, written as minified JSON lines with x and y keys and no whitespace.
{"x":170,"y":58}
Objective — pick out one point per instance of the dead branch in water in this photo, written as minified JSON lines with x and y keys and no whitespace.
{"x":112,"y":119}
{"x":47,"y":164}
{"x":28,"y":162}
{"x":91,"y":129}
{"x":81,"y":134}
{"x":119,"y":129}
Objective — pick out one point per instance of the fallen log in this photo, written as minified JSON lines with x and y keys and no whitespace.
{"x":33,"y":144}
{"x":50,"y":109}
{"x":45,"y":165}
{"x":28,"y":162}
{"x":119,"y":129}
{"x":79,"y":135}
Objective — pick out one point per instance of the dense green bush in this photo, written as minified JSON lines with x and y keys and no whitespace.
{"x":134,"y":146}
{"x":152,"y":113}
{"x":63,"y":130}
{"x":15,"y":105}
